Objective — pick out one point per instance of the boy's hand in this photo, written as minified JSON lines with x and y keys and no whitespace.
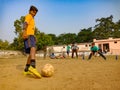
{"x":24,"y":35}
{"x":96,"y":53}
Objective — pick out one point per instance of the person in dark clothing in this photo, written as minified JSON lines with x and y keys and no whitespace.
{"x":74,"y":48}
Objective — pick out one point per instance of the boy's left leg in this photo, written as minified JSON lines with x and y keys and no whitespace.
{"x":32,"y":67}
{"x":76,"y":53}
{"x":72,"y":53}
{"x":102,"y":55}
{"x":32,"y":54}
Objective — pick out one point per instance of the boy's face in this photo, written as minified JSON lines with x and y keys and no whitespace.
{"x":33,"y":13}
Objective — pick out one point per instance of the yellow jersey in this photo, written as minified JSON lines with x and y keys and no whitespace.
{"x":31,"y":24}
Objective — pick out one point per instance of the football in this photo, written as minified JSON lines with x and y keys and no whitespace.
{"x":47,"y":70}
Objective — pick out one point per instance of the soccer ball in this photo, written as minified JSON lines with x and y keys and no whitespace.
{"x":47,"y":70}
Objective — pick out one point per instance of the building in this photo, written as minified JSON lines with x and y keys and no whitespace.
{"x":110,"y":45}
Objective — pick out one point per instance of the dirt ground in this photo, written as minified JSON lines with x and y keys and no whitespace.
{"x":70,"y":74}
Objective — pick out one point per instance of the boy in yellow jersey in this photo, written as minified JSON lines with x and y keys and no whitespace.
{"x":30,"y":42}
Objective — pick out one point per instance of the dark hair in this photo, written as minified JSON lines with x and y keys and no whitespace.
{"x":93,"y":43}
{"x":33,"y":8}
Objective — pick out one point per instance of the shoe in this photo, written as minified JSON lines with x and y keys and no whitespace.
{"x":34,"y":71}
{"x":27,"y":73}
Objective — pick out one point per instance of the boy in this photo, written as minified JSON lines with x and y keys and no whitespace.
{"x":30,"y":42}
{"x":95,"y":50}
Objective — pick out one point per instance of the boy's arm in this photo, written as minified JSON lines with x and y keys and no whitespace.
{"x":25,"y":25}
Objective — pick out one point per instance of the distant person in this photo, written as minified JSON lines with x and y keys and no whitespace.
{"x":50,"y":50}
{"x":45,"y":51}
{"x":74,"y":48}
{"x":30,"y":42}
{"x":68,"y":50}
{"x":63,"y":51}
{"x":60,"y":56}
{"x":94,"y":51}
{"x":52,"y":56}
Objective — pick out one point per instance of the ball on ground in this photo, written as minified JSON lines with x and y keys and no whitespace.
{"x":47,"y":70}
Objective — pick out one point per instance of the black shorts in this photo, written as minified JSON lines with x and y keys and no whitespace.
{"x":94,"y":52}
{"x":68,"y":51}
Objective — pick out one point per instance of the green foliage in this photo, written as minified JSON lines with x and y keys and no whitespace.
{"x":18,"y":24}
{"x":4,"y":45}
{"x":104,"y":29}
{"x":85,"y":35}
{"x":54,"y":38}
{"x":43,"y":40}
{"x":116,"y":30}
{"x":66,"y":38}
{"x":18,"y":41}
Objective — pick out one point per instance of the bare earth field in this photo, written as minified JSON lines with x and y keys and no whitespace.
{"x":70,"y":74}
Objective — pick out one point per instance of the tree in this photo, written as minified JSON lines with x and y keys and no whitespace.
{"x":85,"y":35}
{"x":54,"y":38}
{"x":70,"y":38}
{"x":67,"y":38}
{"x":43,"y":40}
{"x":18,"y":41}
{"x":116,"y":30}
{"x":103,"y":30}
{"x":4,"y":45}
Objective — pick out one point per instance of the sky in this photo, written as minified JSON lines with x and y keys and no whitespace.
{"x":56,"y":16}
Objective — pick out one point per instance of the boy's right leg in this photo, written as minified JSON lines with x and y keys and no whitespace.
{"x":76,"y":53}
{"x":90,"y":56}
{"x":26,"y":70}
